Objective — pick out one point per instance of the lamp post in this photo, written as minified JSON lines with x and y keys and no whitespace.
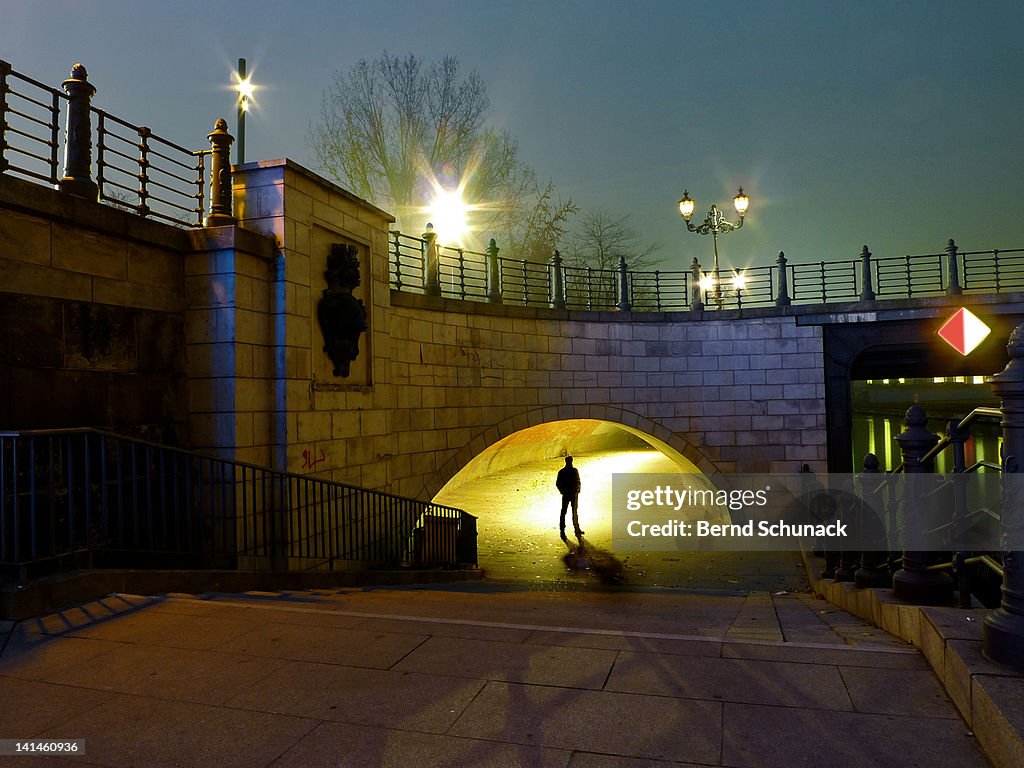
{"x":714,"y":224}
{"x":245,"y":89}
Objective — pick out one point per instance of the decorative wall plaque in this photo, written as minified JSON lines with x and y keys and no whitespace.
{"x":341,"y":315}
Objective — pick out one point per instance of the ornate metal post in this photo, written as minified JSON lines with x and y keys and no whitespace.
{"x":77,"y":178}
{"x":952,"y":270}
{"x":1003,"y":630}
{"x":783,"y":300}
{"x":220,"y":176}
{"x":958,"y":438}
{"x":867,"y":288}
{"x":557,"y":281}
{"x":624,"y":304}
{"x":914,"y":582}
{"x":696,"y":302}
{"x":874,"y":562}
{"x":431,"y":263}
{"x":493,"y":273}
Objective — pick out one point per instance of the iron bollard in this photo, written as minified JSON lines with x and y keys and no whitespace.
{"x":783,"y":299}
{"x":555,"y":270}
{"x":493,"y":273}
{"x":696,"y":302}
{"x":914,"y":582}
{"x":431,"y":263}
{"x":867,"y":289}
{"x":624,"y":305}
{"x":1003,"y":629}
{"x":77,"y":178}
{"x":221,"y":214}
{"x":952,"y":270}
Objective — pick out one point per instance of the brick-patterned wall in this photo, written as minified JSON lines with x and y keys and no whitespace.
{"x":91,"y":303}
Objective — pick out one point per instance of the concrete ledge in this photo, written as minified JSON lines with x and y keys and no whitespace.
{"x":59,"y":592}
{"x":989,"y":696}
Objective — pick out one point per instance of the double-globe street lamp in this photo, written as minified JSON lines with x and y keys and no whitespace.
{"x":714,"y":224}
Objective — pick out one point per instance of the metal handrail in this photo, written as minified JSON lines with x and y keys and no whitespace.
{"x":463,"y":275}
{"x":87,"y":497}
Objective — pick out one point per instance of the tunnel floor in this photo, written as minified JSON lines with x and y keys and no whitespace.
{"x":518,"y":540}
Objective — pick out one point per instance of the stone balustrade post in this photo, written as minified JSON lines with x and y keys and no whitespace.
{"x":867,"y":288}
{"x":624,"y":303}
{"x":696,"y":300}
{"x":914,"y":582}
{"x":221,"y":213}
{"x":431,"y":263}
{"x":1003,"y":629}
{"x":952,"y":270}
{"x":555,"y":270}
{"x":782,"y":299}
{"x":874,"y":559}
{"x":493,"y":273}
{"x":77,"y":179}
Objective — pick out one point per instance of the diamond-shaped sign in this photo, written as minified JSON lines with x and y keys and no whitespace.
{"x":964,"y":331}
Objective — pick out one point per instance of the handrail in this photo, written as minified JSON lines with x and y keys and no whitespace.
{"x":70,"y":497}
{"x":467,"y":275}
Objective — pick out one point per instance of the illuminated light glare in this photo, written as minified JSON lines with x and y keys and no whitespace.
{"x":449,"y":212}
{"x":686,"y":206}
{"x":964,"y":331}
{"x":739,"y":281}
{"x":742,"y":202}
{"x":707,"y":283}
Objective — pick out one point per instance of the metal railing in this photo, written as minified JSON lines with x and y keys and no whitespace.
{"x":977,"y":573}
{"x":466,"y":275}
{"x":134,"y":168}
{"x":86,"y":498}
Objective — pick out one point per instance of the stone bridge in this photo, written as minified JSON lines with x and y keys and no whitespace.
{"x":209,"y":338}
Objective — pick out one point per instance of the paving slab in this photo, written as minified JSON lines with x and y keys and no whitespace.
{"x":330,"y":645}
{"x":341,"y":745}
{"x":750,"y":681}
{"x":633,"y":641}
{"x":167,"y":630}
{"x":405,"y":700}
{"x":780,"y":737}
{"x":624,"y":724}
{"x":897,"y":692}
{"x":512,"y":662}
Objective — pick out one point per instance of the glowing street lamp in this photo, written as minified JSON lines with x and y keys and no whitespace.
{"x":715,"y":224}
{"x":449,"y":212}
{"x":245,"y":89}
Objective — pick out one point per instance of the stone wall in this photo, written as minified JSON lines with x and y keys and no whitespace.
{"x":91,"y":307}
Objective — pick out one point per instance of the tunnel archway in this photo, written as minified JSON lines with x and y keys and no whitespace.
{"x":668,"y":442}
{"x":510,"y":487}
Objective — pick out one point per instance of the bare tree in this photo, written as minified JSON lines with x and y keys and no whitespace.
{"x":392,"y":128}
{"x":599,"y":239}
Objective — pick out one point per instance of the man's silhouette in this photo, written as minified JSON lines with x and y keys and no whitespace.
{"x":568,"y":484}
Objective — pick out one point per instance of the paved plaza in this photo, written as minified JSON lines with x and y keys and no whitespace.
{"x":483,"y":674}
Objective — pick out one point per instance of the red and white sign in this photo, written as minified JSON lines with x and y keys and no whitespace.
{"x":964,"y":331}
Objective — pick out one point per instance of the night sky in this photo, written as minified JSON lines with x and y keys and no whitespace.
{"x":892,"y":124}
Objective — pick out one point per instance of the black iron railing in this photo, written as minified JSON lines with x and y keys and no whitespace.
{"x":134,"y":168}
{"x":479,"y":276}
{"x":86,"y":498}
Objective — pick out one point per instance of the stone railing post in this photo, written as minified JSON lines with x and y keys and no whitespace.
{"x":555,"y":269}
{"x":493,"y":273}
{"x":221,"y":214}
{"x":874,"y":559}
{"x":914,"y":582}
{"x":77,"y":178}
{"x":624,"y":303}
{"x":867,"y":287}
{"x":696,"y":301}
{"x":431,"y":263}
{"x":1003,"y":629}
{"x":952,"y":270}
{"x":783,"y":299}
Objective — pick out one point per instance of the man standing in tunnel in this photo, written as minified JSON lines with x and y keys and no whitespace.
{"x":568,"y":484}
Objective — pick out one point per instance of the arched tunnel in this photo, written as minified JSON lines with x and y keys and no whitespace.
{"x":510,"y":488}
